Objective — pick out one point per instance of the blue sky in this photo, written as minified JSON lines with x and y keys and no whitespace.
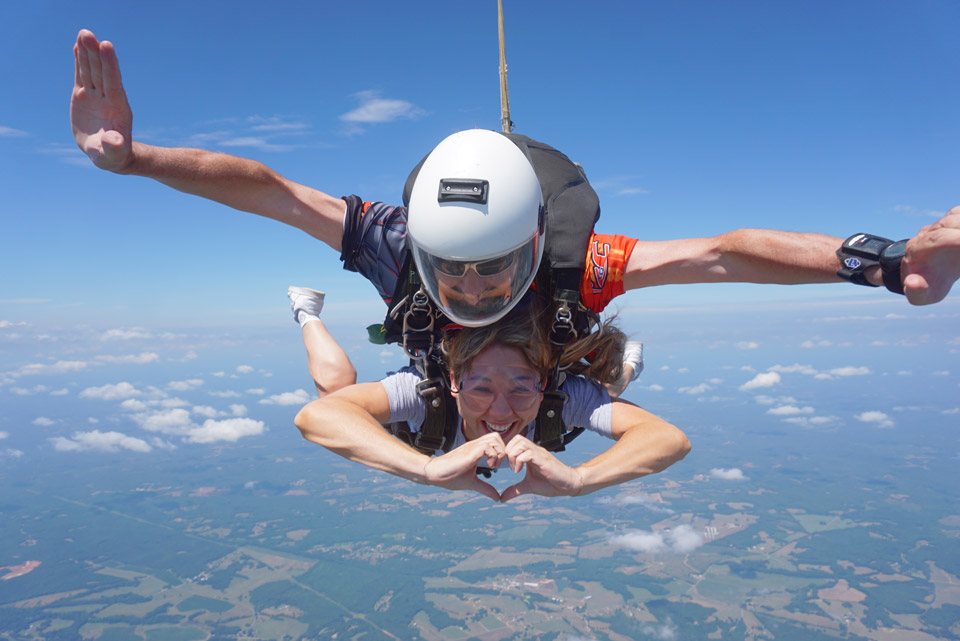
{"x":691,"y":118}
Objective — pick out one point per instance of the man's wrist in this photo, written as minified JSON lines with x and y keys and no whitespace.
{"x":872,"y":261}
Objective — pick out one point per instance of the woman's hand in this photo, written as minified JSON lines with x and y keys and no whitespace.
{"x":546,"y":475}
{"x":457,"y":469}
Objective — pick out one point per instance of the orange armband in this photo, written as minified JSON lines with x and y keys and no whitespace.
{"x":607,"y":257}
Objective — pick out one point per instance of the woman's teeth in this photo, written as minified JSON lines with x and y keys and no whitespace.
{"x":499,"y":429}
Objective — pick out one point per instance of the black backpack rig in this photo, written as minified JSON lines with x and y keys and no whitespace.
{"x":572,"y":209}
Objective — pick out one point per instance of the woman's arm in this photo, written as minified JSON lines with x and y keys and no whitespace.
{"x":645,"y":445}
{"x":348,"y":423}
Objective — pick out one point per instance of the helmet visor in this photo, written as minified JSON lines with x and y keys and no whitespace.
{"x":478,"y":292}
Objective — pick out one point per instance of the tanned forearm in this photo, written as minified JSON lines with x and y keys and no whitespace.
{"x":650,"y":446}
{"x":741,"y":256}
{"x":242,"y":184}
{"x":346,"y":429}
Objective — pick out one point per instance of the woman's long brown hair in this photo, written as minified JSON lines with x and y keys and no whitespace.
{"x":598,"y":355}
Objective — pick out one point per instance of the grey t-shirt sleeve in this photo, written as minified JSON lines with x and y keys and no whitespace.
{"x":588,"y":406}
{"x":406,"y":404}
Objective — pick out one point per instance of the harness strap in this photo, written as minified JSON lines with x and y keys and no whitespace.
{"x":439,"y":427}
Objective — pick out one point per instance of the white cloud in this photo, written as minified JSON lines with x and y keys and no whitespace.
{"x":794,"y":369}
{"x":98,"y":441}
{"x":696,"y":389}
{"x":651,"y":388}
{"x":812,"y":421}
{"x":748,"y":345}
{"x":257,"y":142}
{"x":43,"y":421}
{"x":125,"y":334}
{"x":184,"y":386}
{"x":387,"y":355}
{"x":228,"y":430}
{"x":849,"y":370}
{"x":4,"y":435}
{"x":211,"y":412}
{"x":727,"y":474}
{"x":244,"y":369}
{"x":681,"y":539}
{"x":257,"y":391}
{"x":665,"y":631}
{"x":205,"y":410}
{"x":881,"y":419}
{"x":60,"y":367}
{"x":131,"y":359}
{"x":374,"y":109}
{"x":762,"y":399}
{"x":225,"y":394}
{"x":10,"y":132}
{"x":643,"y":500}
{"x":299,"y":397}
{"x":811,"y":344}
{"x":765,"y":379}
{"x":171,"y":421}
{"x":111,"y":392}
{"x":23,"y":391}
{"x":12,"y":453}
{"x":790,"y":410}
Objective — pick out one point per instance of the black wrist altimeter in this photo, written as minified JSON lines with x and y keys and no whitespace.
{"x":862,"y":251}
{"x":890,"y":260}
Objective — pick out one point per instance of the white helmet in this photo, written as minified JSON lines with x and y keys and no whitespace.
{"x":475,"y":225}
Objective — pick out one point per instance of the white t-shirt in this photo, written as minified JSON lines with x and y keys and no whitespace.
{"x":588,"y":404}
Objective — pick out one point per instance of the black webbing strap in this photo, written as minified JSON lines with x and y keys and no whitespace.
{"x":439,"y":420}
{"x":550,"y":427}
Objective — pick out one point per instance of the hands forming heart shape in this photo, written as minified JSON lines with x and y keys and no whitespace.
{"x":545,"y":475}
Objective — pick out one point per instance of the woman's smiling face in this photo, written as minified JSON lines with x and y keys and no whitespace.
{"x":500,"y":393}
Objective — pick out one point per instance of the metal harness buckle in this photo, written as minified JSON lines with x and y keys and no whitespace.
{"x":418,"y":326}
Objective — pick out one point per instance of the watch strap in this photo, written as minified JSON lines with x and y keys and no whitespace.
{"x":890,"y":260}
{"x":858,"y":253}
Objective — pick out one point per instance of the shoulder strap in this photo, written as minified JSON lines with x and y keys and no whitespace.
{"x":439,"y":427}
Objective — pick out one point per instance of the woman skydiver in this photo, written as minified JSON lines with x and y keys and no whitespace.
{"x":497,"y":373}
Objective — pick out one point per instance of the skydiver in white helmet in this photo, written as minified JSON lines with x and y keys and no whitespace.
{"x":923,"y":267}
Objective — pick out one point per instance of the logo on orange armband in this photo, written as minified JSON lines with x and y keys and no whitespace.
{"x":600,"y":257}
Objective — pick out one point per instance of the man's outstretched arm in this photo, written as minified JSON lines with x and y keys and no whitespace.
{"x":929,"y":269}
{"x":102,"y":124}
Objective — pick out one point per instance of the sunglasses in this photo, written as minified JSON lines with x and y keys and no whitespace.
{"x":484,"y":268}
